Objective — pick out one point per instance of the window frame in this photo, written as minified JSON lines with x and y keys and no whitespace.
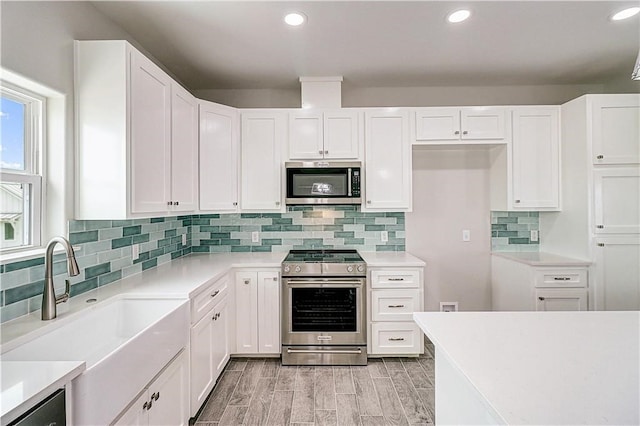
{"x":34,"y":170}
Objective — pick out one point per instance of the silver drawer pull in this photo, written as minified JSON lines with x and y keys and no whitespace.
{"x":396,"y":306}
{"x":320,"y":351}
{"x":396,"y":279}
{"x":215,"y":293}
{"x":540,"y":298}
{"x":247,"y":281}
{"x":396,"y":339}
{"x":561,"y":278}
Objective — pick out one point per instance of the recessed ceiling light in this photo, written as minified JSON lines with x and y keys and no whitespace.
{"x":458,"y":16}
{"x":295,"y":19}
{"x":626,"y":13}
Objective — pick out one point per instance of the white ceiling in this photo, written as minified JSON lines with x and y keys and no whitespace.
{"x":243,"y":44}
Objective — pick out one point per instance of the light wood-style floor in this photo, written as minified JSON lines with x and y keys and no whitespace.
{"x":388,"y":391}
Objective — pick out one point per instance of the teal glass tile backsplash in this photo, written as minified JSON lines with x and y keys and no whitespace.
{"x":104,"y":254}
{"x":511,"y":231}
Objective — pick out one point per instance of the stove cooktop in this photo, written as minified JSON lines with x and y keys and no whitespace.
{"x":311,"y":263}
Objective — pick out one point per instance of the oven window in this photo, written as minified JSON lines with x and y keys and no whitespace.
{"x":310,"y":183}
{"x":324,"y":309}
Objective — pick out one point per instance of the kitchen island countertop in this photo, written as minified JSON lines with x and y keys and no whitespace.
{"x":538,"y":368}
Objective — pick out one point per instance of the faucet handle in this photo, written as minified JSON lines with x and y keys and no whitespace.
{"x":67,"y":291}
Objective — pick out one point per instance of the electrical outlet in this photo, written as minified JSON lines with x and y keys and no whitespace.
{"x":448,"y":306}
{"x":466,"y":235}
{"x":255,"y":237}
{"x":135,"y":251}
{"x":384,"y":236}
{"x":184,"y":239}
{"x":534,"y":235}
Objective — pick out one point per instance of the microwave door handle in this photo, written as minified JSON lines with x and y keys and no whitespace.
{"x":349,"y":182}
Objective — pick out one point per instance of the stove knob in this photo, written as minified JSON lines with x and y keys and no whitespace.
{"x":360,"y":268}
{"x":350,"y":268}
{"x":287,"y":268}
{"x":298,"y":269}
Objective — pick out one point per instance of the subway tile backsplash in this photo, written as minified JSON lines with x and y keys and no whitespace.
{"x":104,"y":254}
{"x":511,"y":231}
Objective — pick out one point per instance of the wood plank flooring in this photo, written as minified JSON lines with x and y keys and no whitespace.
{"x":388,"y":391}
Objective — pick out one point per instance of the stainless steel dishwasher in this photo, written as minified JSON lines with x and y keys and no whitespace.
{"x":50,"y":412}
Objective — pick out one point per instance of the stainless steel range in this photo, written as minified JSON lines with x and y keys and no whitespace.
{"x":323,"y":303}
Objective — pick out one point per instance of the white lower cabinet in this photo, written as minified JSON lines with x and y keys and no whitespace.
{"x":257,"y":303}
{"x":517,"y":286}
{"x":164,"y":401}
{"x":394,"y":295}
{"x":617,"y":280}
{"x":209,"y":341}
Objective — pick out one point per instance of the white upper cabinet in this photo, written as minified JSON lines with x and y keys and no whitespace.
{"x":616,"y":200}
{"x":616,"y":129}
{"x":184,"y":150}
{"x":263,"y":134}
{"x":219,"y":144}
{"x":136,"y":147}
{"x":453,"y":125}
{"x":535,"y":158}
{"x":387,"y":161}
{"x":324,"y":134}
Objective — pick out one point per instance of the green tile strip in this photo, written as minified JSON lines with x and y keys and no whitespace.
{"x":105,"y":245}
{"x":511,"y":231}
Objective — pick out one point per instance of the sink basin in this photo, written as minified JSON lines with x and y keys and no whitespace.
{"x":124,"y":343}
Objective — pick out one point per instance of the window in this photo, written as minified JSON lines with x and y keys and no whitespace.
{"x":21,"y":197}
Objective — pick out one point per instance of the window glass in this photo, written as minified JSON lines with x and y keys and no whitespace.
{"x":12,"y":126}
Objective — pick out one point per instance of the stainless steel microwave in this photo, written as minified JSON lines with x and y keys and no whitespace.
{"x":323,"y":182}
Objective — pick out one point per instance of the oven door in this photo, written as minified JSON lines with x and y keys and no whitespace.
{"x":323,"y":311}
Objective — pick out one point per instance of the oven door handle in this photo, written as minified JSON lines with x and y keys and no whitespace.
{"x":319,"y":283}
{"x":320,"y":351}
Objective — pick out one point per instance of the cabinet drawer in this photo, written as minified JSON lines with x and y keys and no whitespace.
{"x":395,"y":278}
{"x":394,"y":305}
{"x":204,"y":301}
{"x":396,"y":338}
{"x":561,"y":278}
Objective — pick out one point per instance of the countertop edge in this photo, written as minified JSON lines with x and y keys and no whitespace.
{"x":551,"y":261}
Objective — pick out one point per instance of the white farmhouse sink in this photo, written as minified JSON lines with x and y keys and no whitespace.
{"x":124,"y":342}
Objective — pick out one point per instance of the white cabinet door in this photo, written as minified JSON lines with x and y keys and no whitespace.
{"x":261,"y":166}
{"x":574,"y":299}
{"x":220,"y":342}
{"x":184,"y":150}
{"x":341,"y":134}
{"x":535,"y":159}
{"x":137,"y":414}
{"x":169,"y":395}
{"x":483,"y":123}
{"x":246,"y":294}
{"x":617,"y":284}
{"x":617,"y":200}
{"x":306,"y":135}
{"x":218,"y":158}
{"x":150,"y":136}
{"x":202,"y":366}
{"x":616,"y":129}
{"x":388,"y":161}
{"x":268,"y":312}
{"x":438,"y":124}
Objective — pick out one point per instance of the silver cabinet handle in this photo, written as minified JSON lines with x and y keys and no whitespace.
{"x":396,"y":279}
{"x":396,"y":306}
{"x":235,"y":203}
{"x":175,"y":203}
{"x":600,"y":157}
{"x":169,"y":203}
{"x":275,"y":278}
{"x":155,"y":396}
{"x":320,"y":152}
{"x":540,"y":298}
{"x":600,"y":226}
{"x":396,"y":339}
{"x":465,"y":132}
{"x":326,"y":152}
{"x":561,"y":278}
{"x":247,"y":281}
{"x":277,"y":203}
{"x":600,"y":244}
{"x":457,"y":132}
{"x":215,"y":293}
{"x":368,"y":201}
{"x":517,"y":201}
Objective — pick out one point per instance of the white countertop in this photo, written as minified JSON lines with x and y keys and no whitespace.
{"x":25,"y":383}
{"x":390,"y":259}
{"x":541,"y":259}
{"x":546,"y":368}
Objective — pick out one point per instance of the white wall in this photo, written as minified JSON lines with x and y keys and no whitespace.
{"x":451,"y":193}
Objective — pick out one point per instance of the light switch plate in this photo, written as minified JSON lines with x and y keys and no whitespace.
{"x":534,"y":235}
{"x":255,"y":237}
{"x":466,"y":235}
{"x":184,"y":239}
{"x":384,"y":236}
{"x":135,"y":251}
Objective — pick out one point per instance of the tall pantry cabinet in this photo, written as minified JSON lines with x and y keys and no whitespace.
{"x":600,"y":220}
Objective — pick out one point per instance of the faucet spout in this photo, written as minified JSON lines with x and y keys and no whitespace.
{"x":49,"y":299}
